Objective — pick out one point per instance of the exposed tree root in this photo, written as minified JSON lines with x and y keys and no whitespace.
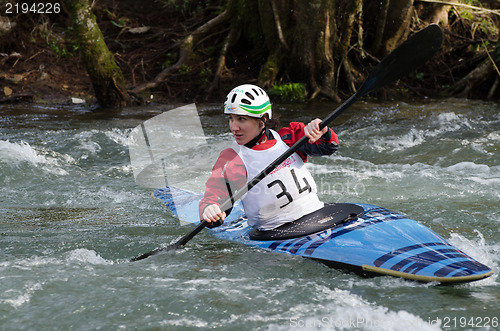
{"x":279,"y":30}
{"x":464,"y":86}
{"x":493,"y":89}
{"x":186,"y":50}
{"x":221,"y":66}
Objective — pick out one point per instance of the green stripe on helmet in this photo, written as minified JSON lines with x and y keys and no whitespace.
{"x":257,"y":109}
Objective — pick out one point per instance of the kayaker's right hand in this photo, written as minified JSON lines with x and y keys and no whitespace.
{"x":313,"y":132}
{"x":213,"y":214}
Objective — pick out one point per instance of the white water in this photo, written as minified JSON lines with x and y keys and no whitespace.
{"x":71,"y":216}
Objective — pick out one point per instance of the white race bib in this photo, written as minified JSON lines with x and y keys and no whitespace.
{"x":284,"y":195}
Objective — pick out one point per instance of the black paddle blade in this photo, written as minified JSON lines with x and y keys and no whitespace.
{"x":181,"y":242}
{"x":153,"y":252}
{"x":410,"y":55}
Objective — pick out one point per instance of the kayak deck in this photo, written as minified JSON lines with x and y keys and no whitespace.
{"x":381,"y":242}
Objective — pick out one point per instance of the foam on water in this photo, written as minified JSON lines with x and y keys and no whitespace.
{"x":348,"y":311}
{"x":120,"y":137}
{"x":411,"y":139}
{"x":479,"y":173}
{"x":361,"y":176}
{"x":17,"y":298}
{"x":86,"y":256}
{"x":434,"y":133}
{"x":82,"y":255}
{"x":479,"y":249}
{"x":18,"y":152}
{"x":93,"y":140}
{"x":69,"y":158}
{"x":450,"y":122}
{"x":98,"y":196}
{"x":14,"y":154}
{"x":43,"y":267}
{"x":465,"y":168}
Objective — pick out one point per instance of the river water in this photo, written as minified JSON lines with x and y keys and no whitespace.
{"x":71,"y":216}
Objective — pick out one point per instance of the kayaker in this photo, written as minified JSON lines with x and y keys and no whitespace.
{"x":286,"y":194}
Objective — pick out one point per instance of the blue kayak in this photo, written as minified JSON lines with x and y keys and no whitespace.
{"x":380,"y":242}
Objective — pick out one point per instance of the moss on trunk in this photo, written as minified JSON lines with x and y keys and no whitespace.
{"x":106,"y":76}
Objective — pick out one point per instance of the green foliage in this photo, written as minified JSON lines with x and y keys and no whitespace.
{"x":482,"y":24}
{"x":185,"y":69}
{"x":293,"y":92}
{"x":63,"y":46}
{"x":120,"y":24}
{"x":169,"y":61}
{"x":417,"y":75}
{"x":205,"y":76}
{"x":61,"y":49}
{"x":61,"y":42}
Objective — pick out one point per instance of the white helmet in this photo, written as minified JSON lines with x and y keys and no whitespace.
{"x":249,"y":100}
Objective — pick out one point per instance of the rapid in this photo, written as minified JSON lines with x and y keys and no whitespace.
{"x":72,"y":215}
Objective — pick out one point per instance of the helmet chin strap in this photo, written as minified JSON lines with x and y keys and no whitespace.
{"x":264,"y":131}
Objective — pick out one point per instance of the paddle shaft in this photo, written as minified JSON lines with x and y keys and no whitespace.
{"x":407,"y":57}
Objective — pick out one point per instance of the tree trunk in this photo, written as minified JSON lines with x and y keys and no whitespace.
{"x":353,"y":9}
{"x":311,"y":56}
{"x":274,"y":28}
{"x":380,"y":30}
{"x":396,"y":26}
{"x":435,"y":12}
{"x":107,"y":78}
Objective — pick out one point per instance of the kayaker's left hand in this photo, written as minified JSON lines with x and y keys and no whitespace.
{"x":313,"y":132}
{"x":212,"y":214}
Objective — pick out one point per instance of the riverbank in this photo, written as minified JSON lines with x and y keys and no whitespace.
{"x":39,"y":59}
{"x":41,"y":77}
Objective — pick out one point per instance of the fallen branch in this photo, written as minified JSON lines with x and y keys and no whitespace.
{"x":186,"y":48}
{"x":494,"y":87}
{"x":221,"y":66}
{"x":478,"y":75}
{"x":449,"y":3}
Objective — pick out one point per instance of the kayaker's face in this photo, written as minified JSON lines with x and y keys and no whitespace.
{"x":244,"y":128}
